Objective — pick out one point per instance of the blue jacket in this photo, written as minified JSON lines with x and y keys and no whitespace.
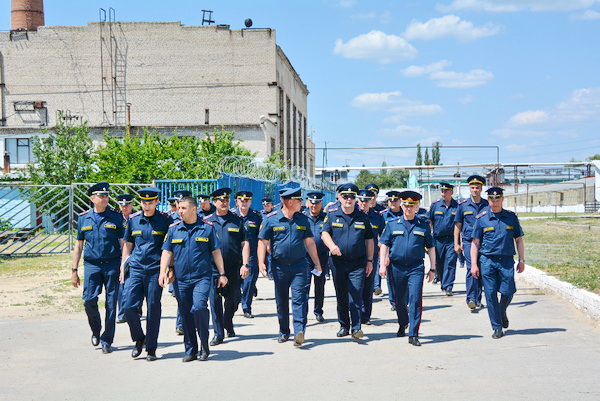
{"x":147,"y":235}
{"x":497,"y":232}
{"x":231,"y":233}
{"x":286,"y":236}
{"x":465,"y":214}
{"x":349,"y":232}
{"x":442,"y":218}
{"x":101,"y":233}
{"x":407,"y":246}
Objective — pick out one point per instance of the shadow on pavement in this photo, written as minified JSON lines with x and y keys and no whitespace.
{"x":539,"y":330}
{"x":444,"y":338}
{"x":218,"y":355}
{"x":432,"y":307}
{"x":522,"y":304}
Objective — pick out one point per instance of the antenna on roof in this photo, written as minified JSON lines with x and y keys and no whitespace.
{"x":208,"y":20}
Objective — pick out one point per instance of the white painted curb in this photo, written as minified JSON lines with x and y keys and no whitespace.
{"x":587,"y":302}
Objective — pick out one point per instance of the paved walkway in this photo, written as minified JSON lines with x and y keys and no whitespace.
{"x":551,"y":352}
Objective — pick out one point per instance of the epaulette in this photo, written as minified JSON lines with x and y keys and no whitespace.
{"x":481,"y":214}
{"x":174,"y":224}
{"x":256,"y":212}
{"x":209,"y":216}
{"x":384,"y":210}
{"x":332,"y":209}
{"x":135,"y":214}
{"x":460,"y":202}
{"x":273,"y":213}
{"x":112,"y":209}
{"x":84,"y":212}
{"x":210,"y":223}
{"x":510,"y":212}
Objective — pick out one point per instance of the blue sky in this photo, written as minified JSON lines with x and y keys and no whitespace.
{"x":519,"y":74}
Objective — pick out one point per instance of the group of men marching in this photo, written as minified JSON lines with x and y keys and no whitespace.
{"x":210,"y":255}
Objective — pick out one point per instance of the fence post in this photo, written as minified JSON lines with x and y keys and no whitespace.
{"x":70,"y":226}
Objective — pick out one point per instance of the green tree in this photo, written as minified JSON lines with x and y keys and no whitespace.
{"x":594,"y":157}
{"x":427,"y":159}
{"x":419,"y":161}
{"x":365,"y":177}
{"x":384,"y":178}
{"x":63,"y":157}
{"x":436,"y":154}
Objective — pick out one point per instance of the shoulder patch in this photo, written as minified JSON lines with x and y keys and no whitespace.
{"x":332,"y":209}
{"x":462,"y":201}
{"x":208,"y":217}
{"x":481,"y":214}
{"x":384,"y":210}
{"x":136,"y":214}
{"x":85,"y":212}
{"x":273,"y":213}
{"x":174,"y":224}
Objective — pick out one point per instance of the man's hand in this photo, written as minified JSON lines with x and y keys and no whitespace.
{"x":244,"y":272}
{"x":520,"y":267}
{"x":430,"y":276}
{"x":458,"y":248}
{"x":335,"y":251}
{"x":121,"y":276}
{"x":75,"y":282}
{"x":382,"y":270}
{"x":369,"y":268}
{"x":263,"y":270}
{"x":222,"y":281}
{"x":475,"y":270}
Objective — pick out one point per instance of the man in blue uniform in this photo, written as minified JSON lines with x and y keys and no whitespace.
{"x":235,"y":250}
{"x":403,"y":244}
{"x":205,"y":208}
{"x":267,"y":203}
{"x":172,"y":206}
{"x":348,"y":234}
{"x":495,"y":233}
{"x":143,"y":239}
{"x":190,"y":251}
{"x":316,"y":217}
{"x":125,"y":202}
{"x":252,"y":220}
{"x":287,"y":233}
{"x":377,"y":207}
{"x":441,"y":215}
{"x":392,"y":212}
{"x":178,"y":195}
{"x":100,"y":230}
{"x":365,"y":201}
{"x":463,"y":227}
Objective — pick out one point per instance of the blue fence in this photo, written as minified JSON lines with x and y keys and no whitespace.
{"x":259,"y":188}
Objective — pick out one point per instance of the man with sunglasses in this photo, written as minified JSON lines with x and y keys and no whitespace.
{"x":252,"y":221}
{"x":316,"y":217}
{"x":404,"y":242}
{"x":100,"y":232}
{"x":144,"y":236}
{"x":348,"y":234}
{"x":235,"y":250}
{"x":392,"y":212}
{"x":365,"y":202}
{"x":377,"y":207}
{"x":125,"y":202}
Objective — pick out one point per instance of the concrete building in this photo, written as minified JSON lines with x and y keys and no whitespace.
{"x":175,"y":79}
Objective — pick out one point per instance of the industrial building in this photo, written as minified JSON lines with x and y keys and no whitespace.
{"x":174,"y":79}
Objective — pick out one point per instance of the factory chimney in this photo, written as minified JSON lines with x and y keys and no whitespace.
{"x":26,"y":14}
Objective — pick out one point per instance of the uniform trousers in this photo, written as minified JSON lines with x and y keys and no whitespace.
{"x":249,"y":285}
{"x":408,"y":279}
{"x":368,"y":288}
{"x":192,"y":296}
{"x":223,"y":308}
{"x":98,"y":274}
{"x":319,"y":283}
{"x":498,"y":275}
{"x":294,"y":277}
{"x":349,"y":280}
{"x":142,"y":284}
{"x":473,"y":284}
{"x":446,"y":257}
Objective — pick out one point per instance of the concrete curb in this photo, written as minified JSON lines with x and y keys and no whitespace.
{"x":587,"y":302}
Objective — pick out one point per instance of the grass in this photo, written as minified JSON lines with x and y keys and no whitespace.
{"x":567,"y":248}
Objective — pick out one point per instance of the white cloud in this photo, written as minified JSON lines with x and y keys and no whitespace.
{"x":449,"y":26}
{"x":466,"y":99}
{"x":529,"y":117}
{"x":376,"y":100}
{"x":395,"y":103}
{"x":384,"y":17}
{"x":452,"y":79}
{"x":417,"y":70}
{"x":517,"y":5}
{"x":404,"y":130}
{"x":376,"y":46}
{"x":586,"y":15}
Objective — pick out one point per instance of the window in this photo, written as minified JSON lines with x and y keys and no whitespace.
{"x":20,"y":150}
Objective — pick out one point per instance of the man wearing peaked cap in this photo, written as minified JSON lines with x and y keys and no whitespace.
{"x":100,"y":232}
{"x":205,"y":207}
{"x":348,"y":234}
{"x":441,"y":216}
{"x":463,"y":227}
{"x":404,"y":242}
{"x":377,"y":223}
{"x":378,"y":207}
{"x":180,"y":193}
{"x":267,"y":203}
{"x":316,"y":217}
{"x":252,"y":221}
{"x":287,"y":233}
{"x":142,"y":249}
{"x":125,"y":202}
{"x":235,"y":249}
{"x":495,"y":233}
{"x":392,"y":212}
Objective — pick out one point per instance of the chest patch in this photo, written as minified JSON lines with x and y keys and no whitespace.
{"x":400,"y":232}
{"x":113,"y":226}
{"x":488,"y":229}
{"x":337,"y":224}
{"x":158,"y":232}
{"x":301,"y":227}
{"x":233,"y":230}
{"x":374,"y":226}
{"x":438,"y":212}
{"x":136,"y":232}
{"x":201,"y":239}
{"x":467,"y":213}
{"x":421,"y":233}
{"x":176,"y":240}
{"x":510,"y":227}
{"x":252,"y":225}
{"x":86,"y":228}
{"x":278,"y":228}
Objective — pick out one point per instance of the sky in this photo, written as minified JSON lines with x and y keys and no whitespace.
{"x":522,"y":75}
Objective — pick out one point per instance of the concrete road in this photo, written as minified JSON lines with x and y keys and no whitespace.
{"x":551,"y":352}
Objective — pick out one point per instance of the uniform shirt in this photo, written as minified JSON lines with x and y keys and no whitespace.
{"x":205,"y":213}
{"x":407,"y":242}
{"x":423,"y":214}
{"x":316,"y":225}
{"x":378,"y":207}
{"x":147,"y":235}
{"x":101,"y":232}
{"x":192,"y":246}
{"x":442,"y":218}
{"x":349,"y":232}
{"x":465,"y":214}
{"x":252,"y":222}
{"x":497,"y":232}
{"x":174,"y":216}
{"x":377,"y":224}
{"x":388,"y":215}
{"x":231,"y":233}
{"x":287,"y":236}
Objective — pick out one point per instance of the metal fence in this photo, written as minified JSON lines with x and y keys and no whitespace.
{"x":42,"y":219}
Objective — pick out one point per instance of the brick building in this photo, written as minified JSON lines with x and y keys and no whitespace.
{"x":163,"y":75}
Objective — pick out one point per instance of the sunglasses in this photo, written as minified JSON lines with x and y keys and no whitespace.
{"x":348,"y":196}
